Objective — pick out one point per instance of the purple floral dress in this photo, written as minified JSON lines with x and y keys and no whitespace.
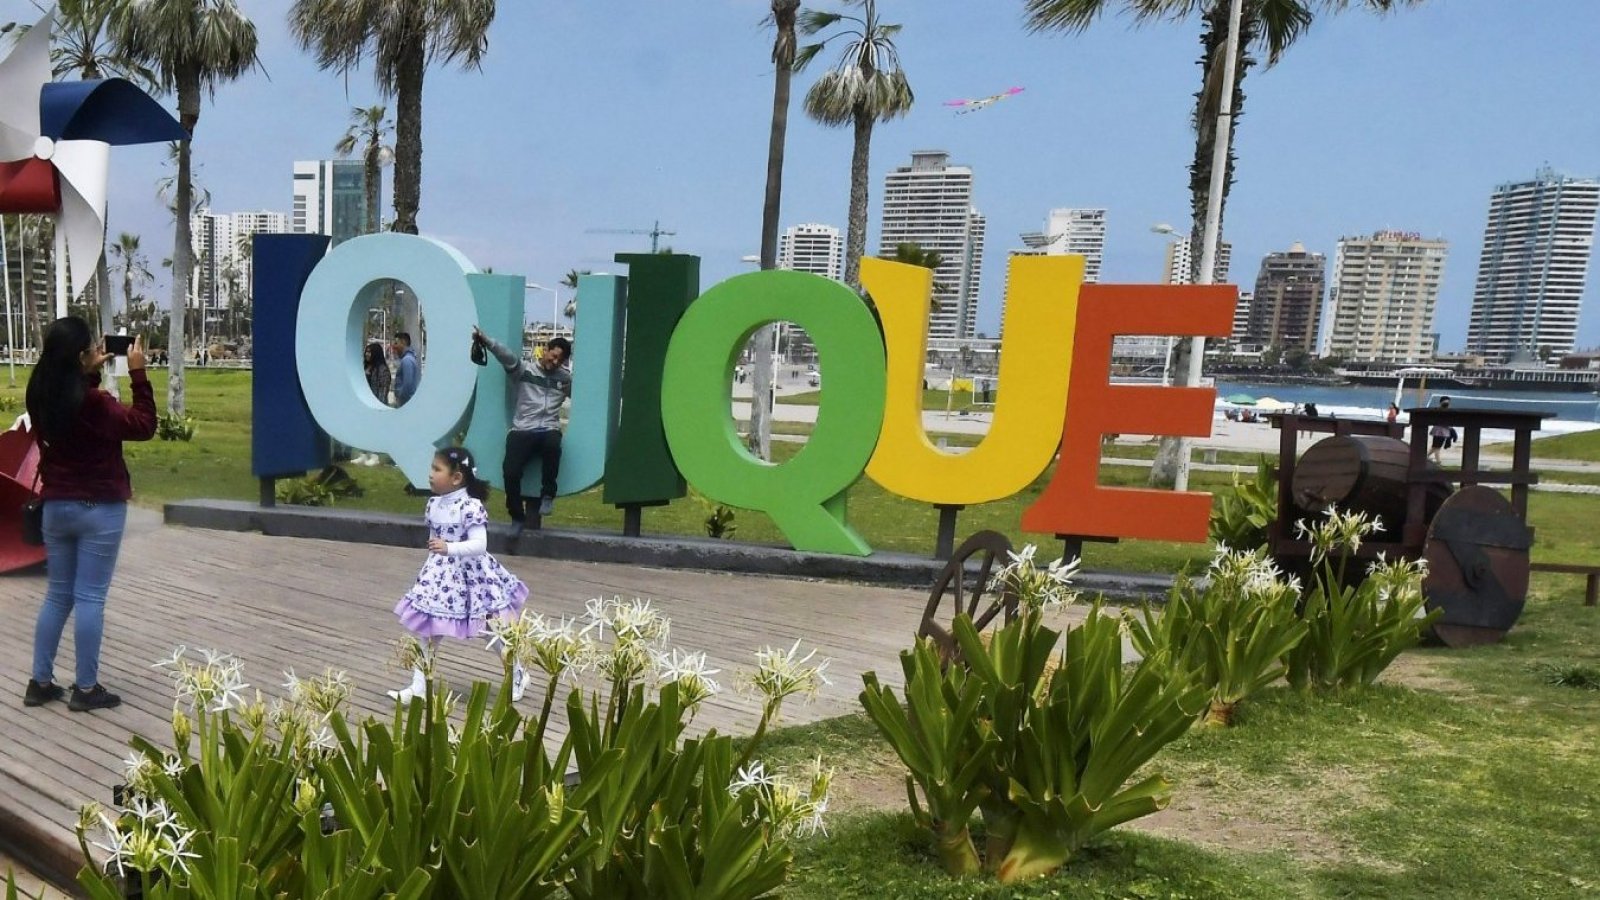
{"x":457,"y":596}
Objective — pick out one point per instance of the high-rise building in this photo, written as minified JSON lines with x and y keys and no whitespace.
{"x":818,"y":249}
{"x":1536,"y":249}
{"x":330,"y":197}
{"x":1076,"y":231}
{"x":1286,"y":308}
{"x":929,"y":203}
{"x":223,"y":257}
{"x":1182,"y":259}
{"x":1239,"y":341}
{"x":1385,"y":288}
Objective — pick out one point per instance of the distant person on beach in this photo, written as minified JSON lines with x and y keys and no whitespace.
{"x":461,"y":588}
{"x":84,"y":483}
{"x":1393,"y":415}
{"x":1442,"y":435}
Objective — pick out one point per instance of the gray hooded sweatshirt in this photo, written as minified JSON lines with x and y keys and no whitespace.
{"x":539,"y":393}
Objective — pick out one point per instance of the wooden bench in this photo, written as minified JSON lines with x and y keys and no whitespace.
{"x":1592,"y":594}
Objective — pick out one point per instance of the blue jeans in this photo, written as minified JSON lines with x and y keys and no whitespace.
{"x":81,"y":540}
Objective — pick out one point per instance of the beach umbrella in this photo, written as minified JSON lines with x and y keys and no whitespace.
{"x":1240,"y":399}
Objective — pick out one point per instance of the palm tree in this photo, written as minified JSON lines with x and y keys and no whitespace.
{"x":135,"y":268}
{"x":369,"y":126}
{"x":83,"y":43}
{"x":192,"y":46}
{"x":913,"y":254}
{"x":1265,"y":25}
{"x":784,"y":17}
{"x":866,"y":86}
{"x":400,"y":38}
{"x":570,"y":282}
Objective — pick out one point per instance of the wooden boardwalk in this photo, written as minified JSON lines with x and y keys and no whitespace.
{"x":278,"y":603}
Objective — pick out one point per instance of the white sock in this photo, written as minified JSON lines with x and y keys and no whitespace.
{"x":417,"y":688}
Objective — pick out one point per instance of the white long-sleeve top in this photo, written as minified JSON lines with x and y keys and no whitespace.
{"x":476,"y":544}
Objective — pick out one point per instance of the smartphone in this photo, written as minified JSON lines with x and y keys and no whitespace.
{"x":118,"y":344}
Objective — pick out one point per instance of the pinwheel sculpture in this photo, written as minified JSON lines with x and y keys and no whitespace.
{"x":55,"y":150}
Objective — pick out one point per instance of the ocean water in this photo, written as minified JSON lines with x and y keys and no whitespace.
{"x":1571,"y":411}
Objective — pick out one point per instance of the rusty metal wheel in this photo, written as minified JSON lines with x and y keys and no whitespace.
{"x":1477,"y":556}
{"x":959,"y":591}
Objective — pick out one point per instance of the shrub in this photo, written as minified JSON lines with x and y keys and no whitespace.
{"x":1044,"y":752}
{"x":173,"y":427}
{"x":463,"y":798}
{"x":1354,"y":631}
{"x":1243,"y":516}
{"x":325,"y":488}
{"x":1573,"y":675}
{"x":1233,"y":633}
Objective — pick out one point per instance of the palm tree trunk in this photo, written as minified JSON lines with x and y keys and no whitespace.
{"x":182,"y":246}
{"x":108,"y":311}
{"x":408,"y":137}
{"x":1208,"y":102}
{"x":783,"y":51}
{"x":855,"y":245}
{"x":373,"y":173}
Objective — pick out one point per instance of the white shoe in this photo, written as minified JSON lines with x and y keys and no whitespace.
{"x":417,"y":688}
{"x":519,"y":683}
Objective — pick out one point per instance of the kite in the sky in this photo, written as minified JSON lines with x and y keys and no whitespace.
{"x":963,"y":107}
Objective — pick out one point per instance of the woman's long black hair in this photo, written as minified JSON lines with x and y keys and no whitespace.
{"x":57,"y":385}
{"x":457,"y":459}
{"x":374,"y":357}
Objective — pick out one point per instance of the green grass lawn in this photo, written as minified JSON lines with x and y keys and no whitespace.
{"x":1464,"y":775}
{"x":932,"y":400}
{"x":1582,"y":445}
{"x":216,"y":464}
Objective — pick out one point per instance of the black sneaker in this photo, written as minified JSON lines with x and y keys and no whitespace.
{"x":94,"y":698}
{"x":39,"y":694}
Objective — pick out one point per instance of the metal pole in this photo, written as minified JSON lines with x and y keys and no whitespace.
{"x":60,"y":261}
{"x":5,"y":270}
{"x":1208,"y":246}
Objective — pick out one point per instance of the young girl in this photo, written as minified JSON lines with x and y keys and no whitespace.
{"x":461,"y":588}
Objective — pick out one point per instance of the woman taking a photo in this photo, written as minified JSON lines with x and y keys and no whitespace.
{"x":84,"y":484}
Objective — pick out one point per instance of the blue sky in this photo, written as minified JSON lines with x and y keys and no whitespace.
{"x":615,"y":113}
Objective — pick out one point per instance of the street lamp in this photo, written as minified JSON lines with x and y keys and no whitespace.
{"x":1166,"y":365}
{"x":554,"y":299}
{"x":1213,"y":221}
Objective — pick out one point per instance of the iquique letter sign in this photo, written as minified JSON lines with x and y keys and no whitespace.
{"x":653,"y":365}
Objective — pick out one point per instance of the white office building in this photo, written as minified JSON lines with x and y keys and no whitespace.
{"x":818,"y":249}
{"x":1536,"y":249}
{"x":223,"y":259}
{"x":929,"y":203}
{"x":1182,"y":259}
{"x":1385,"y":290}
{"x":330,"y":197}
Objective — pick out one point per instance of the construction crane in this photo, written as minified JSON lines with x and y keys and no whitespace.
{"x":656,"y":234}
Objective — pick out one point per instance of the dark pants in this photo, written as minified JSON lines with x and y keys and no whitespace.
{"x":523,"y":447}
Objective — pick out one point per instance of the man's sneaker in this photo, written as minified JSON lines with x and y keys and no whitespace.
{"x":517,"y":528}
{"x":547,"y":505}
{"x":96,"y":697}
{"x":39,"y":694}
